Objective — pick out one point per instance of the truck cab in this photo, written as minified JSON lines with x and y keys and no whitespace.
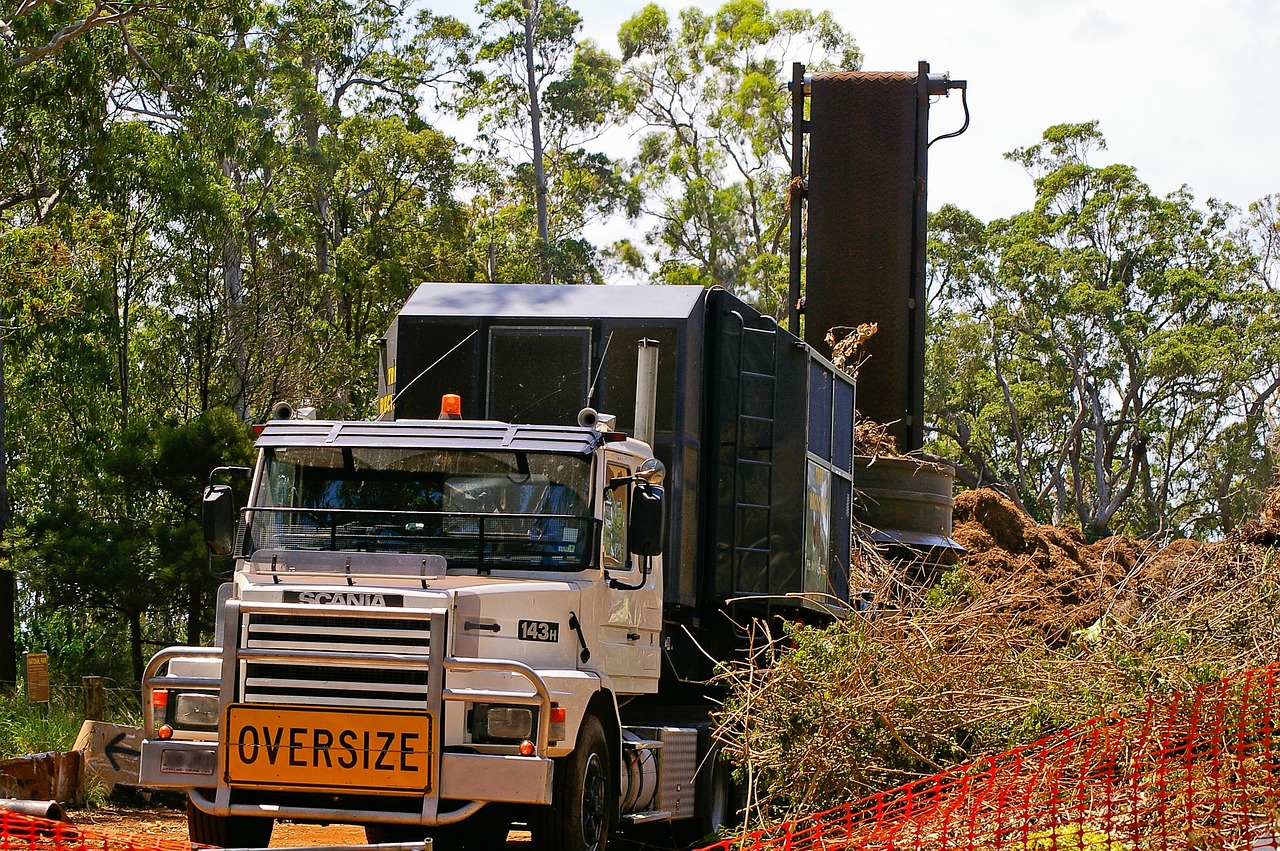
{"x":427,"y":619}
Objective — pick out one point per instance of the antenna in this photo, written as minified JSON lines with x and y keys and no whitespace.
{"x":591,"y":391}
{"x":400,"y":392}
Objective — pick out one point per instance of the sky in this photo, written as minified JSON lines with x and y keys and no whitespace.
{"x":1186,"y":91}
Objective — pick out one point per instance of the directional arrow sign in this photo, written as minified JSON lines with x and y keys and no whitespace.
{"x":110,"y":752}
{"x":115,"y":749}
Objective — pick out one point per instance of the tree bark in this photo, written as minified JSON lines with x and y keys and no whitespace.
{"x":233,"y":293}
{"x":195,"y":607}
{"x":135,"y":644}
{"x":8,"y":591}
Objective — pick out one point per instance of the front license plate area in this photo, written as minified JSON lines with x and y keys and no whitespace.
{"x":189,"y":761}
{"x":350,"y":749}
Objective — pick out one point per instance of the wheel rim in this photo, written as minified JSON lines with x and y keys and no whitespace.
{"x":593,"y":801}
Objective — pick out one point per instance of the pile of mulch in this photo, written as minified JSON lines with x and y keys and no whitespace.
{"x":1265,"y":531}
{"x":1053,"y":578}
{"x":1057,"y":582}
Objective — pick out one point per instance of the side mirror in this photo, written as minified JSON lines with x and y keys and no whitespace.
{"x":218,"y":513}
{"x":647,"y":525}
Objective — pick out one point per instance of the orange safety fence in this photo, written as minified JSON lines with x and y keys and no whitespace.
{"x":27,"y":833}
{"x":1195,"y":771}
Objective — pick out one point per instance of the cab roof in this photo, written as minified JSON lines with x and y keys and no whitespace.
{"x":432,"y":434}
{"x":555,"y":301}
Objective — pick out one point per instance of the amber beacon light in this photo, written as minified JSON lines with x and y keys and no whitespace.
{"x":451,"y":406}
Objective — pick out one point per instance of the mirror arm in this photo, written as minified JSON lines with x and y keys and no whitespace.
{"x":622,"y":586}
{"x":241,"y":471}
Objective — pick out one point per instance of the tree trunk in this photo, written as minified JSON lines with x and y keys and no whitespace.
{"x":312,"y":121}
{"x":195,"y":609}
{"x":535,"y":125}
{"x":8,"y":595}
{"x":135,"y":644}
{"x":233,"y":293}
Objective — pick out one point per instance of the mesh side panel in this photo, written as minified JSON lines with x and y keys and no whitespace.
{"x":860,"y":227}
{"x":35,"y":834}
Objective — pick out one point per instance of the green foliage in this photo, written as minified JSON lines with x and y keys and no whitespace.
{"x":937,"y":678}
{"x":714,"y":167}
{"x":27,"y":728}
{"x":31,"y":728}
{"x":1106,"y":356}
{"x":1074,"y":836}
{"x":955,"y":586}
{"x":542,"y":98}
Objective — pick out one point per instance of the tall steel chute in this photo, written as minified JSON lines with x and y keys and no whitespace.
{"x":868,"y":170}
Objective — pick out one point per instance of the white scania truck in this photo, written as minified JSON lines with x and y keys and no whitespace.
{"x":441,"y":623}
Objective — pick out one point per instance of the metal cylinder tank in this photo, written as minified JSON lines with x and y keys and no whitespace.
{"x":906,"y":502}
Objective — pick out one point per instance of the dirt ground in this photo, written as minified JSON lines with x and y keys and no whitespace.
{"x":172,"y":824}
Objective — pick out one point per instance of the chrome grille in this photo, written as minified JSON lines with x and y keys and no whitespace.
{"x":335,"y":682}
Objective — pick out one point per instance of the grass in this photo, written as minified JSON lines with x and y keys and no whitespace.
{"x":32,"y":728}
{"x":27,"y":728}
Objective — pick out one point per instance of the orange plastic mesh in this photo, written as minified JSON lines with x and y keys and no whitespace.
{"x":36,"y":834}
{"x":1195,"y":772}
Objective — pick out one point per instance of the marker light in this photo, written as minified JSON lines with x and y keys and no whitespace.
{"x":558,"y":715}
{"x":451,"y":406}
{"x":159,"y":705}
{"x":164,"y":731}
{"x":526,"y":748}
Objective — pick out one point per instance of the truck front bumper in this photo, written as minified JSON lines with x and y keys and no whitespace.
{"x":463,"y":777}
{"x":206,"y":769}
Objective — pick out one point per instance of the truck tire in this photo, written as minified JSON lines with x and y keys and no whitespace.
{"x":228,"y":831}
{"x":720,"y":796}
{"x":581,"y":814}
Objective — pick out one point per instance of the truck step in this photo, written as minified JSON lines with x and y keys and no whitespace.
{"x":641,"y":745}
{"x":647,"y":817}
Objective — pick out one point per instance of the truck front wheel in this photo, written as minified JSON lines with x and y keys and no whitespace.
{"x":227,"y":831}
{"x":580,"y":817}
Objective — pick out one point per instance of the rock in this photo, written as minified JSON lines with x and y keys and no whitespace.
{"x":110,"y":752}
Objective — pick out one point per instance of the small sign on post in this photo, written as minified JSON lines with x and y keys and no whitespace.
{"x":35,"y":673}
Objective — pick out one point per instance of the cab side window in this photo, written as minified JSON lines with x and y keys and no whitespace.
{"x":615,"y":518}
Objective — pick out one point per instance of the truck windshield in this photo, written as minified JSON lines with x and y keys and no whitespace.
{"x":486,"y":510}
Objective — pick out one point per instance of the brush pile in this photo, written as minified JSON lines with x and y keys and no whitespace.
{"x":1035,"y":630}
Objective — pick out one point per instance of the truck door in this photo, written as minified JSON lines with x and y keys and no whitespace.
{"x":632,"y":616}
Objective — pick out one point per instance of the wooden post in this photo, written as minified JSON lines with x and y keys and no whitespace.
{"x":93,"y":698}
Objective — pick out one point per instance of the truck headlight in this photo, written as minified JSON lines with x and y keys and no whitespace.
{"x":194,"y":709}
{"x":501,"y":723}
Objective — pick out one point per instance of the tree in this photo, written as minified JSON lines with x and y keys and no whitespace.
{"x":1106,"y":354}
{"x":8,"y":599}
{"x":715,"y":165}
{"x":542,"y":100}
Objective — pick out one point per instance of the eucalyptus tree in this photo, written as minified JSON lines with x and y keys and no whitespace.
{"x":1108,"y":355}
{"x":542,"y":99}
{"x":714,"y":164}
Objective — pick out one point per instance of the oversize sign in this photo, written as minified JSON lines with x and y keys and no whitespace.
{"x":328,"y":747}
